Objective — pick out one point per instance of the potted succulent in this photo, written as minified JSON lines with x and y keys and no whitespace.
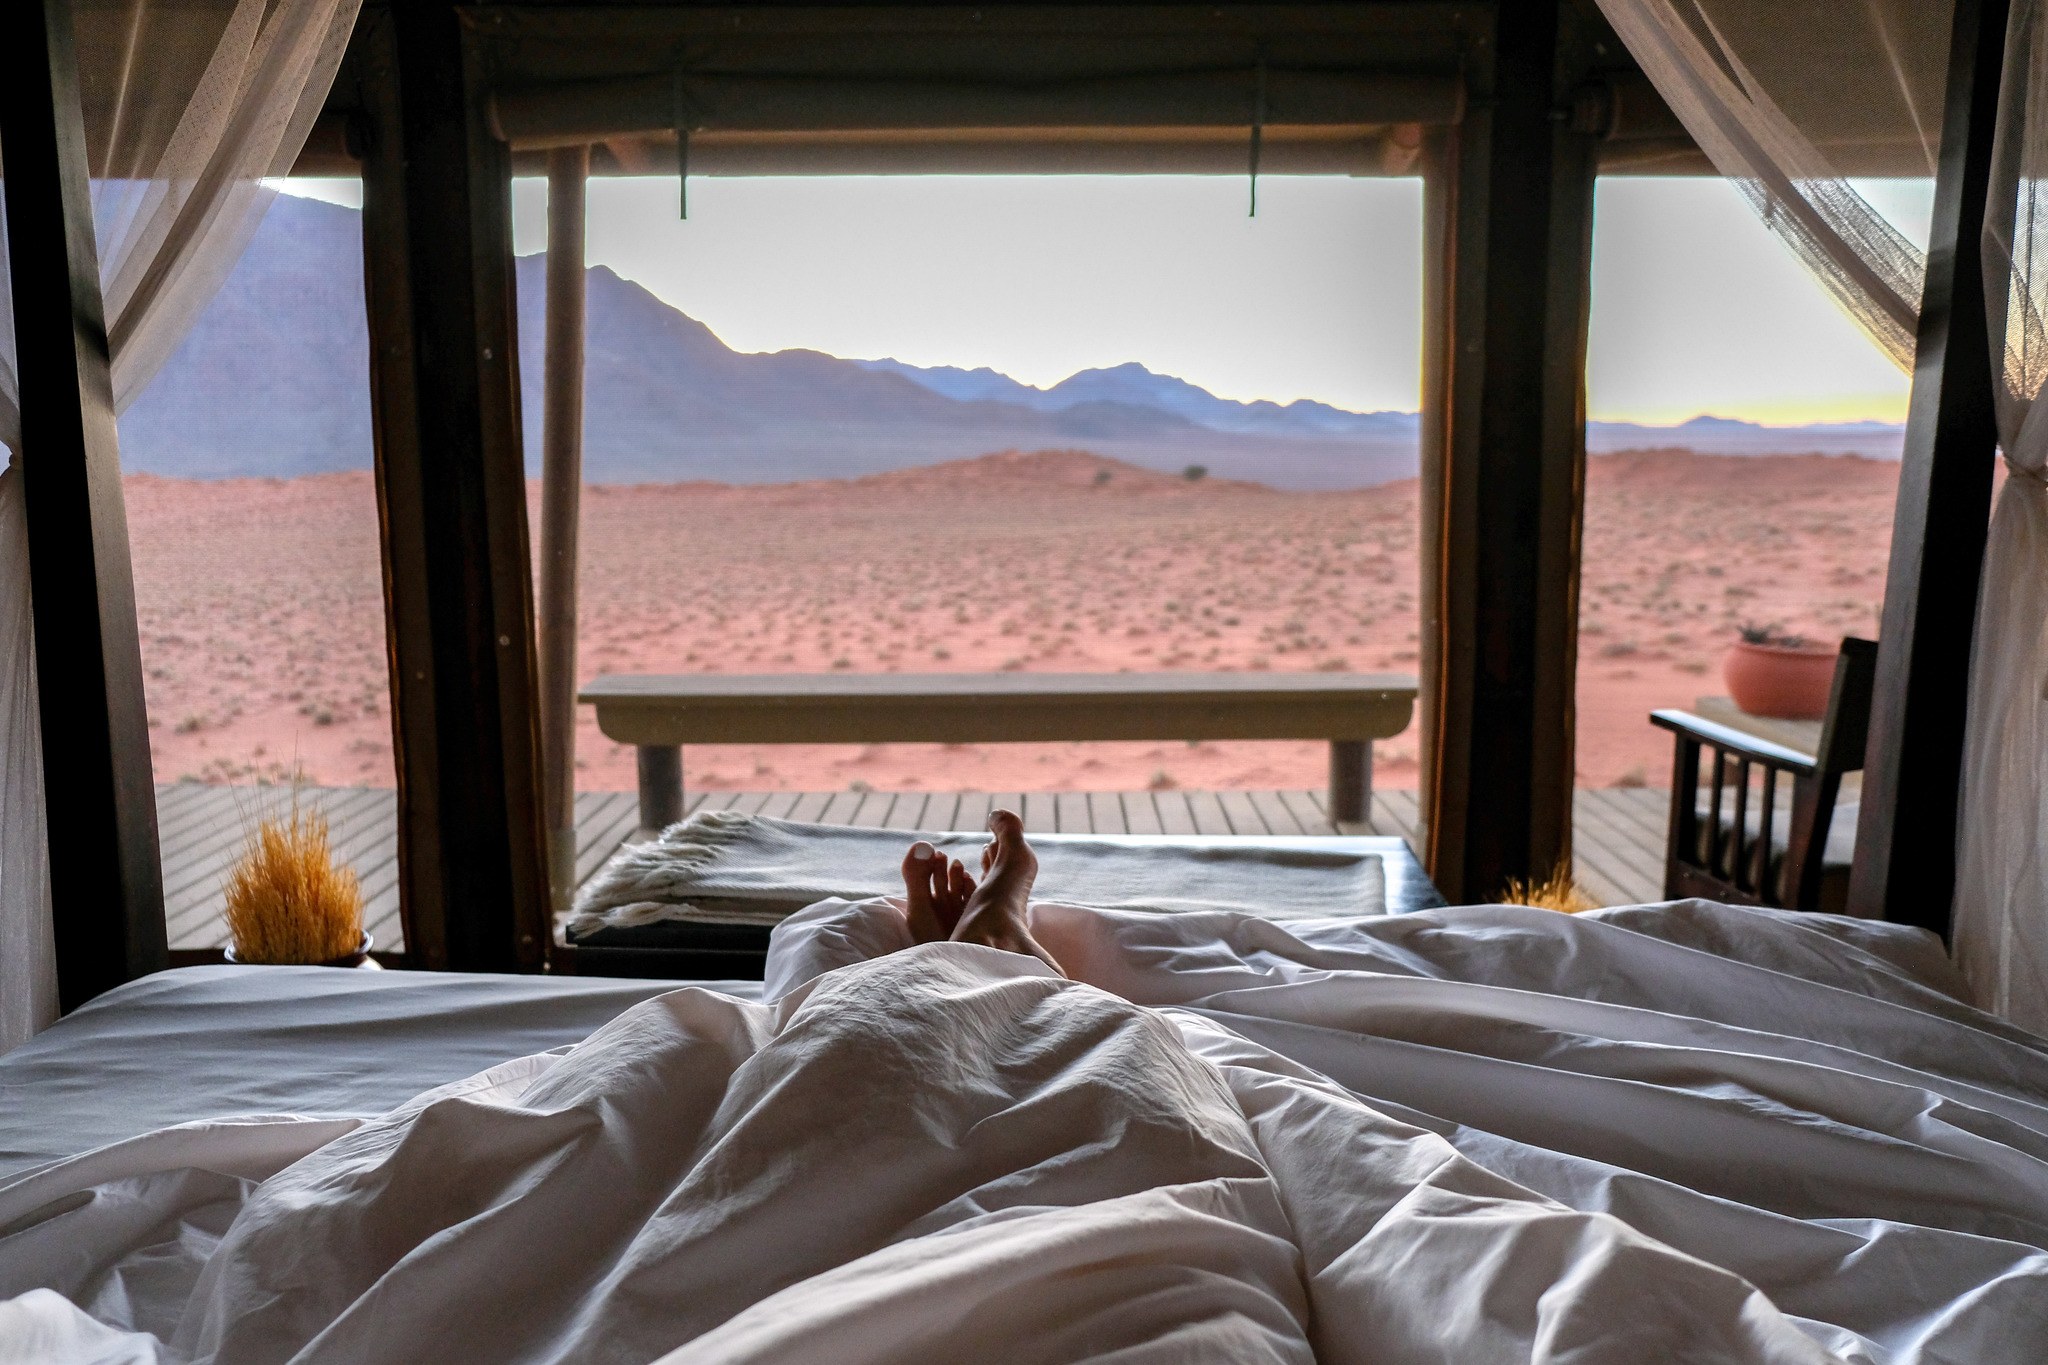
{"x":1770,"y":673}
{"x":290,"y":901}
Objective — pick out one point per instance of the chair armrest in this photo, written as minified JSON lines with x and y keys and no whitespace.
{"x":1735,"y":741}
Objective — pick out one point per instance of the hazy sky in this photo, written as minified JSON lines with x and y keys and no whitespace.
{"x":1696,"y":308}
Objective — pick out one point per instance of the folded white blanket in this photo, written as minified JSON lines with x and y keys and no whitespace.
{"x":724,"y":867}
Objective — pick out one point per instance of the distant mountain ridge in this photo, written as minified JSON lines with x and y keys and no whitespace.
{"x":1133,"y":384}
{"x":274,"y":381}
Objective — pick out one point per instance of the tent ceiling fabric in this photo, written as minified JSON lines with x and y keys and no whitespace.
{"x":1863,"y":80}
{"x":1335,"y":88}
{"x":790,"y":90}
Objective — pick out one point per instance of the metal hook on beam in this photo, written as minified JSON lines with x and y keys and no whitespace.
{"x":1258,"y":131}
{"x":682,"y":126}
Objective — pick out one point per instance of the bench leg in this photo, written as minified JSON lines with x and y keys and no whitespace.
{"x":661,"y":785}
{"x":1350,"y":781}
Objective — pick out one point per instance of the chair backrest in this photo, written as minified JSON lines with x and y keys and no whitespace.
{"x":1843,"y":736}
{"x":1847,"y":727}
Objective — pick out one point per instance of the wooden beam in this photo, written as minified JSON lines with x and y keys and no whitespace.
{"x":1437,"y":167}
{"x":561,"y":487}
{"x":577,"y":112}
{"x":105,"y":882}
{"x":451,"y":498}
{"x":1904,"y":866}
{"x":1511,"y":449}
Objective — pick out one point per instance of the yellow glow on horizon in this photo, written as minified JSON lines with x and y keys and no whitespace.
{"x":1864,"y":407}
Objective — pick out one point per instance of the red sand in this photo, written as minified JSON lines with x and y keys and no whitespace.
{"x":262,"y":630}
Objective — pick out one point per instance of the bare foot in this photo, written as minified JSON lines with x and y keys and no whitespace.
{"x":936,"y":889}
{"x":994,"y":915}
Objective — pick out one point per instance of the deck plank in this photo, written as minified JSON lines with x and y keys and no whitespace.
{"x":1243,"y":816}
{"x":779,"y":804}
{"x":1207,"y":811}
{"x":195,"y":816}
{"x":1642,"y":851}
{"x":1309,"y":815}
{"x":1176,"y":816}
{"x":873,"y":806}
{"x":1106,"y":813}
{"x":1647,"y":810}
{"x":938,"y":812}
{"x":810,"y":807}
{"x":1141,"y":813}
{"x":907,"y":811}
{"x":1396,"y":814}
{"x":1275,"y":812}
{"x":1071,"y":813}
{"x":207,"y":826}
{"x":972,"y":812}
{"x":602,"y":832}
{"x":1040,"y":812}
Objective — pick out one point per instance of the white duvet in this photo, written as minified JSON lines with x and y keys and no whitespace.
{"x":1684,"y":1133}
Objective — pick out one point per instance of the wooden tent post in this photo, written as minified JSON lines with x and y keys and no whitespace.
{"x":561,"y":484}
{"x":1505,"y":474}
{"x":1905,"y":861}
{"x":451,"y":496}
{"x":98,"y":791}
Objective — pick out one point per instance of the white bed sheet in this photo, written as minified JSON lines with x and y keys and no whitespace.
{"x":1487,"y":1133}
{"x":198,"y":1042}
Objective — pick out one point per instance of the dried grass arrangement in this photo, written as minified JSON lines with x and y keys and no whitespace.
{"x":287,"y":899}
{"x":1556,"y":892}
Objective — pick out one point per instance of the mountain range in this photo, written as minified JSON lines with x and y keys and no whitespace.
{"x":273,"y":380}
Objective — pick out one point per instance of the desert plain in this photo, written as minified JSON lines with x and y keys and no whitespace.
{"x":261,"y":605}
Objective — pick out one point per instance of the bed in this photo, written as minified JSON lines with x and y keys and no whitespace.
{"x":197,"y":1042}
{"x":1475,"y":1133}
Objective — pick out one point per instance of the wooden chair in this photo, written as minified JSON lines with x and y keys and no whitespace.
{"x":1725,"y":846}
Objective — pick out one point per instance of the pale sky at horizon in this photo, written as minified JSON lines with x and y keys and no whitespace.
{"x":1696,"y":307}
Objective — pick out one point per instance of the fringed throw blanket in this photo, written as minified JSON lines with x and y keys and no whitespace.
{"x":723,"y":867}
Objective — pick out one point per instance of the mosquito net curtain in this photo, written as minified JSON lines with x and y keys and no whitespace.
{"x":1787,"y":100}
{"x":189,"y":105}
{"x":2001,"y":909}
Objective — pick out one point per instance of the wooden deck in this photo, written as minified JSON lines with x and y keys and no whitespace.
{"x":1619,"y":835}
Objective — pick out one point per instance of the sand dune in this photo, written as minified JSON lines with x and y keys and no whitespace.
{"x":263,"y":641}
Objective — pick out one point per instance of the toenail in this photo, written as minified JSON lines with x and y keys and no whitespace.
{"x":922,"y":852}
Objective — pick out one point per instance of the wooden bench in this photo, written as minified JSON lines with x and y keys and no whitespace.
{"x":661,"y":713}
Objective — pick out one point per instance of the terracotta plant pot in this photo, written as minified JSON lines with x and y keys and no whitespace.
{"x":359,"y":958}
{"x":1789,"y":682}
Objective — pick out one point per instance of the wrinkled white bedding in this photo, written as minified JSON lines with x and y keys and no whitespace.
{"x":1492,"y":1133}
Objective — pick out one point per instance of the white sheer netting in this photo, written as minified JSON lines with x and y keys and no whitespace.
{"x":2001,"y":906}
{"x":189,"y":106}
{"x":1786,"y":101}
{"x":28,"y":964}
